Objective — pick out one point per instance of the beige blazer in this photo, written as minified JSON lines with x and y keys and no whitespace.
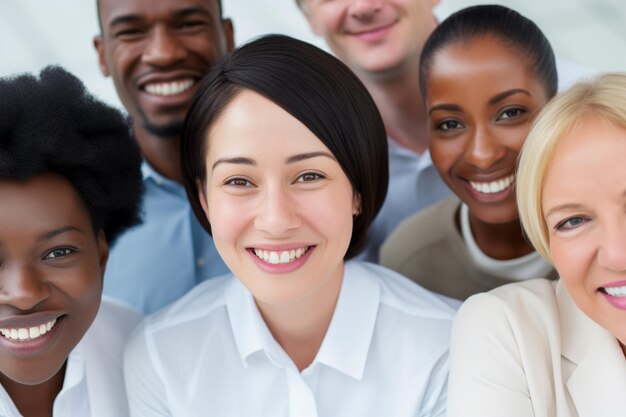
{"x":525,"y":349}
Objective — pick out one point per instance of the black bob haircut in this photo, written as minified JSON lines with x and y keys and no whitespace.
{"x":315,"y":88}
{"x":500,"y":22}
{"x":51,"y":124}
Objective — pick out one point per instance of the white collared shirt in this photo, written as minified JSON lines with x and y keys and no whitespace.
{"x":93,"y":384}
{"x":385,"y":354}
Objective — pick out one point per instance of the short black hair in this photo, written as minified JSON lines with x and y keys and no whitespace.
{"x":315,"y":88}
{"x":98,"y":16}
{"x":503,"y":23}
{"x":51,"y":124}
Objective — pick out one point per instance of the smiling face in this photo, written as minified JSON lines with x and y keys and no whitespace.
{"x":481,"y":99}
{"x":156,"y":53}
{"x":279,"y":204}
{"x":584,"y":206}
{"x":373,"y":36}
{"x":51,"y":268}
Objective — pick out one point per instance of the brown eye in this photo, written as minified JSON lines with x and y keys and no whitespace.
{"x":309,"y":176}
{"x":58,"y":253}
{"x":238,"y":182}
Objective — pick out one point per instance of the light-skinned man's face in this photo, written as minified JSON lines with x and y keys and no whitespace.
{"x":156,"y":52}
{"x":373,"y":36}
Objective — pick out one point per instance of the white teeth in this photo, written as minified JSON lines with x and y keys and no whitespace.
{"x":494,"y":186}
{"x":280,"y":257}
{"x":616,"y":291}
{"x":169,"y":88}
{"x":30,"y":333}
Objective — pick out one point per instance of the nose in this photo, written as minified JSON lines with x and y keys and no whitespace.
{"x":365,"y":9}
{"x":22,"y":287}
{"x":277,"y":213}
{"x":484,"y":149}
{"x":163,"y":48}
{"x":612,"y":248}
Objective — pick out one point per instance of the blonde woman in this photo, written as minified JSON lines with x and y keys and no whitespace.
{"x":542,"y":348}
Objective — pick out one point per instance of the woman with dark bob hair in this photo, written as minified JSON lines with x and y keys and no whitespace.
{"x":286,"y":166}
{"x":70,"y":184}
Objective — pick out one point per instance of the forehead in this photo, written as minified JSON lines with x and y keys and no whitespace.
{"x":479,"y":65}
{"x":252,"y":123}
{"x":44,"y":201}
{"x":110,"y":10}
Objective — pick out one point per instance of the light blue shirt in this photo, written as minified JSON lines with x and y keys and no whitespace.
{"x":160,"y":260}
{"x":414,"y":184}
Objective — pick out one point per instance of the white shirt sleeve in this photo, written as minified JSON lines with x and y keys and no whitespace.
{"x":487,"y":377}
{"x":145,"y":389}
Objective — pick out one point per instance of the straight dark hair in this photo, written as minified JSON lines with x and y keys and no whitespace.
{"x":502,"y":23}
{"x":315,"y":88}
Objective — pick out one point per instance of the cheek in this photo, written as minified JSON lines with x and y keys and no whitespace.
{"x":228,"y":218}
{"x":572,"y":260}
{"x":444,"y":153}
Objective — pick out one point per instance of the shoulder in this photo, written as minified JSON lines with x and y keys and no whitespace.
{"x":419,"y":232}
{"x":399,"y":293}
{"x":199,"y":303}
{"x":114,"y":321}
{"x":523,"y":308}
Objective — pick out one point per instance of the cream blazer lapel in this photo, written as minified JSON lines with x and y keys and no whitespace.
{"x":597,"y":385}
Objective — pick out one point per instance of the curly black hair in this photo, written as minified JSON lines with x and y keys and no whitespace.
{"x":52,"y":124}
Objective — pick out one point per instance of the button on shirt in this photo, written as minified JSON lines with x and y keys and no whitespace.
{"x":385,"y":354}
{"x":414,"y":184}
{"x":93,"y":384}
{"x":157,"y":262}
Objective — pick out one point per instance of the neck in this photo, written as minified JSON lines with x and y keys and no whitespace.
{"x":163,"y":154}
{"x":500,"y":241}
{"x":398,"y":98}
{"x":34,"y":400}
{"x":300,"y":327}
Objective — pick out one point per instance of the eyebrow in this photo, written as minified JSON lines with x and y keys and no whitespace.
{"x":449,"y":107}
{"x":292,"y":159}
{"x":60,"y":230}
{"x":495,"y":99}
{"x":561,"y":207}
{"x":499,"y":97}
{"x":133,"y":18}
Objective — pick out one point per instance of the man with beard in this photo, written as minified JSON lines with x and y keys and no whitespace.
{"x":156,"y":53}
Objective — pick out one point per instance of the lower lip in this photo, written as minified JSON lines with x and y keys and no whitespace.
{"x":617,"y":302}
{"x":281,"y":268}
{"x":374,"y":36}
{"x":34,"y":346}
{"x":489,"y":198}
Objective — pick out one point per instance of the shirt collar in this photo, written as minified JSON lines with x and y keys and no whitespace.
{"x":347,"y":340}
{"x":398,"y":151}
{"x":349,"y":335}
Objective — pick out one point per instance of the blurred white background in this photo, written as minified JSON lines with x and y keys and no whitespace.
{"x":36,"y":33}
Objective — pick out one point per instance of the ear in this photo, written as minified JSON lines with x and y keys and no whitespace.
{"x":229,"y":31}
{"x":203,"y":200}
{"x":102,"y":63}
{"x":356,"y":205}
{"x":103,"y":248}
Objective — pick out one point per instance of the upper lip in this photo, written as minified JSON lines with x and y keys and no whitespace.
{"x":29,"y":320}
{"x":612,"y":284}
{"x":361,"y":31}
{"x":167,"y":76}
{"x":280,"y":247}
{"x":487,"y":177}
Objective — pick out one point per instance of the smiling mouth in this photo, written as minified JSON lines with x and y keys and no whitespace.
{"x":615,"y":291}
{"x":169,"y":88}
{"x":28,"y":333}
{"x":493,"y":186}
{"x":280,"y":257}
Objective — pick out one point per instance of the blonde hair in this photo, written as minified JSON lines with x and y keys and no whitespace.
{"x":602,"y":98}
